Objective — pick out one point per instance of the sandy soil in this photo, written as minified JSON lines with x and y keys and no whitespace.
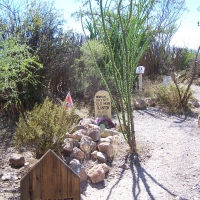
{"x":169,"y":166}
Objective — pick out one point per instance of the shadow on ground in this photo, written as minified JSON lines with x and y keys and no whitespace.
{"x":156,"y":113}
{"x":139,"y":176}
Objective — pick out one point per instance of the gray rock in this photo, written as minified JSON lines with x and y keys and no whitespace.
{"x":94,"y":155}
{"x":77,"y":153}
{"x":106,"y":148}
{"x":79,"y":169}
{"x":68,"y":146}
{"x":77,"y":134}
{"x":97,"y":173}
{"x":76,"y":144}
{"x":150,"y":102}
{"x":196,"y":104}
{"x":95,"y":134}
{"x":74,"y":162}
{"x":140,"y":104}
{"x":93,"y":146}
{"x":85,"y":144}
{"x":17,"y":161}
{"x":101,"y":157}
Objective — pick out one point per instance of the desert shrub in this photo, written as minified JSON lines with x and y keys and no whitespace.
{"x":44,"y":128}
{"x":169,"y":99}
{"x":148,"y":88}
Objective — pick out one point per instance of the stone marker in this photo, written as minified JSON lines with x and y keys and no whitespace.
{"x":102,"y":104}
{"x":167,"y":80}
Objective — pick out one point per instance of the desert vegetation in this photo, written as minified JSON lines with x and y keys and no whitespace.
{"x":40,"y":60}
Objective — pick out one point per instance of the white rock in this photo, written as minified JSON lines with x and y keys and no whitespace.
{"x":101,"y":157}
{"x":94,"y":155}
{"x":106,"y":148}
{"x":97,"y":173}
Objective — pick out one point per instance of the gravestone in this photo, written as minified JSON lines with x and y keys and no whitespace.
{"x":102,"y":104}
{"x":167,"y":80}
{"x":50,"y":179}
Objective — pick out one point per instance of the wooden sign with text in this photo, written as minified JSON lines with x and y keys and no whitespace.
{"x":102,"y":104}
{"x":50,"y":179}
{"x":140,"y":70}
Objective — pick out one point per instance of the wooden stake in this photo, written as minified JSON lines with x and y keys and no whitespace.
{"x":140,"y":84}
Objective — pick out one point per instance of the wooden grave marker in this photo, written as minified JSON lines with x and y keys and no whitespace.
{"x":50,"y":179}
{"x":102,"y":104}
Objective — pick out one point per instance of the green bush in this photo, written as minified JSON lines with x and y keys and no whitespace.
{"x":168,"y":98}
{"x":44,"y":128}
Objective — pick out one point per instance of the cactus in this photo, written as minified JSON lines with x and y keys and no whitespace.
{"x":103,"y":130}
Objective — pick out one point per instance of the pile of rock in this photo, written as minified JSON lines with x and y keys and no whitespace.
{"x":90,"y":142}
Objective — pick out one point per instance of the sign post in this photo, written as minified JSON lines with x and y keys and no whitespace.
{"x":140,"y":70}
{"x":140,"y":83}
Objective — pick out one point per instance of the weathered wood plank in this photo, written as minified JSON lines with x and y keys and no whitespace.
{"x":50,"y":179}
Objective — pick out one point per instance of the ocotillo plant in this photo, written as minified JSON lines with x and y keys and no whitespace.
{"x":122,"y":29}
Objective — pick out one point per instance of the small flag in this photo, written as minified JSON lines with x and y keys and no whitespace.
{"x":68,"y":101}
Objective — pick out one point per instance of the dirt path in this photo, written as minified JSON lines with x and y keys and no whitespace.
{"x":170,"y":147}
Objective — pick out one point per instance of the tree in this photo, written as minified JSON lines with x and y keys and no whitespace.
{"x":86,"y":74}
{"x":37,"y":24}
{"x":168,"y":56}
{"x":168,"y":63}
{"x":18,"y":69}
{"x":166,"y":15}
{"x":41,"y":26}
{"x":122,"y":31}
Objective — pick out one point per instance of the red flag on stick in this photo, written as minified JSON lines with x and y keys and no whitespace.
{"x":68,"y":101}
